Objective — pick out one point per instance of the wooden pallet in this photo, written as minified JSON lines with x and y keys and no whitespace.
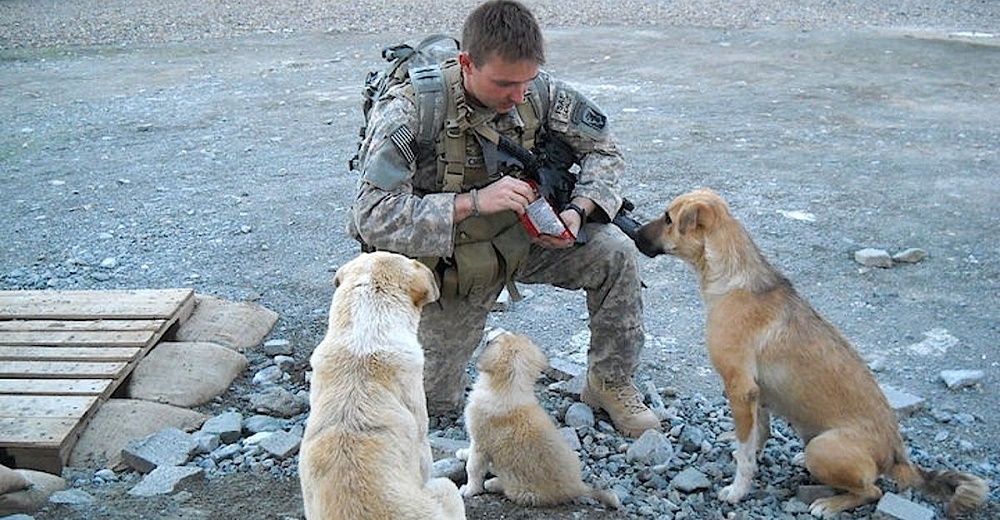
{"x":63,"y":353}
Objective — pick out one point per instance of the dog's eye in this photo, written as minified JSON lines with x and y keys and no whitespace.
{"x":666,"y":218}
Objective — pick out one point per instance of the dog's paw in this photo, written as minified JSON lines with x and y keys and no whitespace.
{"x":493,"y":485}
{"x":470,"y":491}
{"x":822,"y":508}
{"x":831,"y":507}
{"x":732,"y":493}
{"x":462,"y":454}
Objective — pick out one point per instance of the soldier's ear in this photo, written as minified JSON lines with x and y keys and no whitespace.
{"x":465,"y":61}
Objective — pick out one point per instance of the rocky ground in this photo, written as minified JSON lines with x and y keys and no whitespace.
{"x":162,"y":144}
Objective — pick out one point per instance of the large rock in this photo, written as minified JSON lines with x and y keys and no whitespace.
{"x":168,"y":447}
{"x":185,"y":374}
{"x":240,"y":326}
{"x":165,"y":480}
{"x":120,"y":420}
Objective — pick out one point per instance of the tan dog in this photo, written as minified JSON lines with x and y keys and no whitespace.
{"x":513,"y":437}
{"x":365,"y":453}
{"x":774,"y":352}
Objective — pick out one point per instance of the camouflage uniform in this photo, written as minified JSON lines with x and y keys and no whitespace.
{"x":395,"y":212}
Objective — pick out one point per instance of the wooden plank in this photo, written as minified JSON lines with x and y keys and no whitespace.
{"x":62,"y":369}
{"x":47,"y":460}
{"x":129,"y":338}
{"x":43,"y":406}
{"x":36,"y":432}
{"x":90,"y":325}
{"x":83,"y":305}
{"x":184,"y":310}
{"x":48,"y":353}
{"x":55,"y":386}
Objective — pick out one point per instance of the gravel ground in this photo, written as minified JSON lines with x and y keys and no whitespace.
{"x":186,"y":144}
{"x":43,"y":23}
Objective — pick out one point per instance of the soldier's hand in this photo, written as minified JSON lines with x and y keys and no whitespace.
{"x":506,"y":193}
{"x":572,"y":221}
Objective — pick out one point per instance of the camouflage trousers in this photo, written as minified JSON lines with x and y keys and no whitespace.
{"x":605,"y":267}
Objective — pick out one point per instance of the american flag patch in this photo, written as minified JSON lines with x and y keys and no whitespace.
{"x":402,"y":137}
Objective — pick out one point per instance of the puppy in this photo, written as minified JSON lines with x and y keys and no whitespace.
{"x":512,"y":436}
{"x":775,"y":352}
{"x":365,"y":453}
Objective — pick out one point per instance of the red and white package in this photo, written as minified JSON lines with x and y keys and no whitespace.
{"x":541,"y":219}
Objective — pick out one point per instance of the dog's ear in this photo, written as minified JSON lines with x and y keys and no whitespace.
{"x":694,"y":214}
{"x":687,"y":217}
{"x":529,"y":358}
{"x":424,"y":288}
{"x":338,"y":278}
{"x":356,"y":265}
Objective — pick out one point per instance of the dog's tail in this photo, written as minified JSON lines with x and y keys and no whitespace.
{"x":605,"y":497}
{"x":963,"y":491}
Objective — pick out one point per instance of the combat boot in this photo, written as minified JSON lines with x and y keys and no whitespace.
{"x":623,"y":402}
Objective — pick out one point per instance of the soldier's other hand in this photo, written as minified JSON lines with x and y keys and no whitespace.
{"x":506,"y":193}
{"x":553,"y":242}
{"x":571,"y":219}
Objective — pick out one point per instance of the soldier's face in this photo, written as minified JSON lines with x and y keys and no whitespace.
{"x":497,"y":83}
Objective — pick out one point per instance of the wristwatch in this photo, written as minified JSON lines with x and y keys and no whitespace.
{"x":578,"y":210}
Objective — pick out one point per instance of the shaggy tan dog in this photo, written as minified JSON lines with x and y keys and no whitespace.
{"x":365,"y":453}
{"x":512,"y":436}
{"x":775,"y":352}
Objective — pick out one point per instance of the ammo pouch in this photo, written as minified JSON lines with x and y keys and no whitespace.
{"x":488,"y":250}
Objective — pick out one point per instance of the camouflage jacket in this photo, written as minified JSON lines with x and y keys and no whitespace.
{"x":391,"y":212}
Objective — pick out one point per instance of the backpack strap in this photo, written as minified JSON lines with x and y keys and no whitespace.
{"x":451,"y":146}
{"x":429,"y":89}
{"x":540,"y":98}
{"x":442,"y":115}
{"x":538,"y":102}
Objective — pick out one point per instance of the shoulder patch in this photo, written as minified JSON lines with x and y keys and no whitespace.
{"x":590,"y":119}
{"x":562,"y":109}
{"x":404,"y":141}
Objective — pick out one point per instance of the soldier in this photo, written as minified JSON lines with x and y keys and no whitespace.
{"x":448,"y":202}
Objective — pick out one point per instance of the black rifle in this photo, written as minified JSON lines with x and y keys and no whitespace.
{"x":549,"y":166}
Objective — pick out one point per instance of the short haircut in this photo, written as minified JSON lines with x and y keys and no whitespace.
{"x":504,"y":29}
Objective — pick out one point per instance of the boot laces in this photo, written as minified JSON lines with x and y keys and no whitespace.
{"x":629,"y":396}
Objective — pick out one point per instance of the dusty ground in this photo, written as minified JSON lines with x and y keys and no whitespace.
{"x":220,"y":165}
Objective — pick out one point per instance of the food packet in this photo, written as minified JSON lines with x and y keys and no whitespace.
{"x":541,"y":219}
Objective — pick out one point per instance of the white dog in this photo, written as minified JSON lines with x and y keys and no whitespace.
{"x":513,"y":437}
{"x":365,"y":453}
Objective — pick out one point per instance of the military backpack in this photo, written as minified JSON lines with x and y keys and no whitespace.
{"x":421,"y":65}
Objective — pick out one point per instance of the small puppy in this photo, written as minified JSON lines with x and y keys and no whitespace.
{"x":775,"y":352}
{"x":365,"y":453}
{"x":513,"y":437}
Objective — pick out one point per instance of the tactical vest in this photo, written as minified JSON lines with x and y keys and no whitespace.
{"x":488,"y":248}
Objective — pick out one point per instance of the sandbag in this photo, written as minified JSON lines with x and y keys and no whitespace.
{"x":240,"y":326}
{"x":185,"y":373}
